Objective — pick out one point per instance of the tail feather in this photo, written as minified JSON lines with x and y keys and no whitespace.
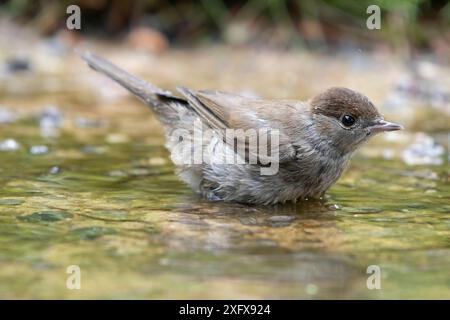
{"x":149,"y":93}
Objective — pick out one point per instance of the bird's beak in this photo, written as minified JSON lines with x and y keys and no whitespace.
{"x":382,"y":126}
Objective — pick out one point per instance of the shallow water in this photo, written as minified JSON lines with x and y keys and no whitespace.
{"x":105,"y":197}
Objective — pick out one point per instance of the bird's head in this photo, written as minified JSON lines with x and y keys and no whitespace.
{"x":347,"y":118}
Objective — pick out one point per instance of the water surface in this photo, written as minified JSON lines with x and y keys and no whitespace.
{"x":104,"y":196}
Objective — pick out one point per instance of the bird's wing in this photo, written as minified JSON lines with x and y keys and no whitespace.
{"x":223,"y":111}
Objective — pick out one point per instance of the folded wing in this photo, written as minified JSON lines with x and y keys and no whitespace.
{"x":226,"y":111}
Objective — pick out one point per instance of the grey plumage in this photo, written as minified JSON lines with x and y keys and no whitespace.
{"x":314,"y":146}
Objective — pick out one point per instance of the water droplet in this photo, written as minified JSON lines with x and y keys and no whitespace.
{"x":334,"y":207}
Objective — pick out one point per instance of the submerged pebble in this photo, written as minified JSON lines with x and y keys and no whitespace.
{"x":55,"y":170}
{"x":88,"y":123}
{"x":424,"y":151}
{"x":363,"y":210}
{"x":94,"y":149}
{"x":281,"y":218}
{"x":46,"y":216}
{"x":9,"y":145}
{"x":50,"y":121}
{"x":117,"y":173}
{"x":110,"y":214}
{"x":7,"y":115}
{"x":17,"y":64}
{"x":423,"y":174}
{"x":116,"y":138}
{"x":11,"y":202}
{"x":39,"y":150}
{"x":90,"y":233}
{"x":311,"y":289}
{"x":157,"y":161}
{"x":139,"y":172}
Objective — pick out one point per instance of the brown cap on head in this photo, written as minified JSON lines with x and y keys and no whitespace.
{"x":335,"y":102}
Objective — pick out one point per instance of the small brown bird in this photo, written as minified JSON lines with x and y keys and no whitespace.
{"x":310,"y":142}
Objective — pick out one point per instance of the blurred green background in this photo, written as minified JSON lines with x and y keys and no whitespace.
{"x":324,"y":24}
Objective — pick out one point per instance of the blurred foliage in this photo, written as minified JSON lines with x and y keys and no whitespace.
{"x":420,"y":23}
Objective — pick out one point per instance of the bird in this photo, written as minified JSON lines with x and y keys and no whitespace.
{"x":310,"y":142}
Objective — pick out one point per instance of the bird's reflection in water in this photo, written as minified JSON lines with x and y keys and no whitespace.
{"x":294,"y":226}
{"x":291,"y":244}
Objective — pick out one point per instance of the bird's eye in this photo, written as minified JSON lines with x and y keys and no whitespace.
{"x":348,"y":120}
